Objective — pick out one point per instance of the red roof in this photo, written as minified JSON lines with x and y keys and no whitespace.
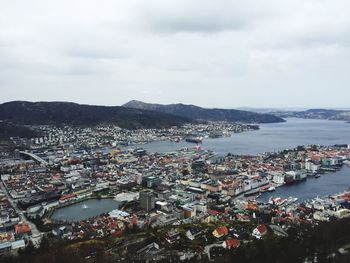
{"x":242,"y":216}
{"x":67,"y":196}
{"x":118,"y":233}
{"x":213,"y":212}
{"x":7,"y":237}
{"x":222,"y":230}
{"x":233,"y":243}
{"x":262,"y":229}
{"x":251,"y":206}
{"x":22,"y":228}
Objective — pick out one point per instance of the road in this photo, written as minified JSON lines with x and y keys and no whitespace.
{"x":36,"y":234}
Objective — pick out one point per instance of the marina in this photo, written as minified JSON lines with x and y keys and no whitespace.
{"x":326,"y":184}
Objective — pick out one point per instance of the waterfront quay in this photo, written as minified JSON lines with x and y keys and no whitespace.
{"x":190,"y":196}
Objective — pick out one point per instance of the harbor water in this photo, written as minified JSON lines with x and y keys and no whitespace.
{"x":271,"y":137}
{"x":326,"y":184}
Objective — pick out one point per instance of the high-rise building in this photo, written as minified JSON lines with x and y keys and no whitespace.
{"x":151,"y":181}
{"x":147,"y":200}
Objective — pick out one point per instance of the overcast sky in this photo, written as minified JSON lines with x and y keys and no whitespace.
{"x":215,"y":53}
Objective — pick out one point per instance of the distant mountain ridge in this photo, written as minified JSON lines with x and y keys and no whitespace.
{"x":198,"y":113}
{"x":325,"y":114}
{"x":61,"y":113}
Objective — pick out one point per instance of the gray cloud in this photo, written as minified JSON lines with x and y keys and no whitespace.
{"x":194,"y":25}
{"x":210,"y":22}
{"x":220,"y":53}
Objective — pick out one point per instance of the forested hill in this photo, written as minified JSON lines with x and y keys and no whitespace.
{"x":61,"y":113}
{"x":195,"y":112}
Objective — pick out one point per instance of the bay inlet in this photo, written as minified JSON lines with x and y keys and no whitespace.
{"x":269,"y":138}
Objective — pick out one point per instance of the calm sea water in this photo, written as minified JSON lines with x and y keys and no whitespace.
{"x":327,"y":184}
{"x":85,"y":209}
{"x":270,"y":137}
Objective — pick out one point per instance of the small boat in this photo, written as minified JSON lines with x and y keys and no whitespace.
{"x":271,"y":189}
{"x":85,"y":206}
{"x":291,"y":200}
{"x":277,"y":200}
{"x":264,"y":188}
{"x":347,"y":162}
{"x":317,"y":176}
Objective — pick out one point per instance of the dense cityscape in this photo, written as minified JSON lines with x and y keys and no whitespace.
{"x":190,"y":204}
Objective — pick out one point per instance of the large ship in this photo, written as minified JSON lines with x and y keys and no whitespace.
{"x":300,"y":176}
{"x":294,"y":176}
{"x":252,"y":192}
{"x":289,"y":179}
{"x":194,"y":139}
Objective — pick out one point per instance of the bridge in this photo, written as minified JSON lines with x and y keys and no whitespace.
{"x":35,"y":157}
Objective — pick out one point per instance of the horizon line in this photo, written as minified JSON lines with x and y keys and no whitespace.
{"x":247,"y":108}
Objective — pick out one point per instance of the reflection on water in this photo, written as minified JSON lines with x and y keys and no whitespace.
{"x":85,"y":209}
